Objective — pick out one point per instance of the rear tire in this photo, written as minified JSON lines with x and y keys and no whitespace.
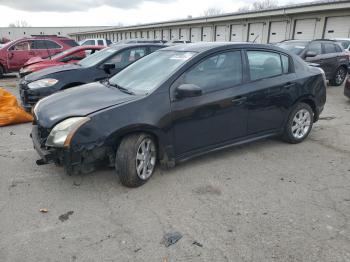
{"x":299,"y":124}
{"x":136,"y":159}
{"x":339,"y":77}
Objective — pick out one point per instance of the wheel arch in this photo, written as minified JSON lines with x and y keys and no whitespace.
{"x":309,"y":100}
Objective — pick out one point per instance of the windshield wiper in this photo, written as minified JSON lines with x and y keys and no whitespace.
{"x":123,"y":89}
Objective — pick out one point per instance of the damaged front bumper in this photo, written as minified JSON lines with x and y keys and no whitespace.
{"x":74,"y":162}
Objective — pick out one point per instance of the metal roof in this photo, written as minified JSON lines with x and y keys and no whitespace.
{"x":280,"y":10}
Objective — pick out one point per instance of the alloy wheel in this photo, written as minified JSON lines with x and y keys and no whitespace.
{"x":145,"y":159}
{"x":340,"y":76}
{"x":301,"y":124}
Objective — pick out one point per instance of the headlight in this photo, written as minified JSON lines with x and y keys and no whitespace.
{"x":42,"y":83}
{"x":62,"y":133}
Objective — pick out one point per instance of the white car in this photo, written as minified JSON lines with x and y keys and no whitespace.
{"x":96,"y":41}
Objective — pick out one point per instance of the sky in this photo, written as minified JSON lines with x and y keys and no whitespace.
{"x":111,"y":12}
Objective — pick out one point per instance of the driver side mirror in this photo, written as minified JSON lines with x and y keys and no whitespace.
{"x":108,"y":67}
{"x":188,"y":90}
{"x":310,"y":54}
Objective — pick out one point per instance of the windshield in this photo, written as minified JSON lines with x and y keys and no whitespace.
{"x":97,"y":57}
{"x":345,"y":43}
{"x":294,"y":47}
{"x":151,"y":71}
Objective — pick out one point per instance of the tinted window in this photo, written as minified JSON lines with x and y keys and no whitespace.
{"x":100,"y":42}
{"x":264,"y":64}
{"x":285,"y":64}
{"x":315,"y":47}
{"x":216,"y":72}
{"x":109,"y":42}
{"x":296,"y":47}
{"x":126,"y":57}
{"x":97,"y":57}
{"x":45,"y":44}
{"x":339,"y":49}
{"x":345,"y":44}
{"x":329,"y":48}
{"x":89,"y":42}
{"x":70,"y":42}
{"x":154,"y":48}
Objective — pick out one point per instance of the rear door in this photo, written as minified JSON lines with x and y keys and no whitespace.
{"x":218,"y":115}
{"x":271,"y":81}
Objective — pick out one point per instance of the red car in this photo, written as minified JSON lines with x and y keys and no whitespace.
{"x":15,"y":54}
{"x":71,"y":55}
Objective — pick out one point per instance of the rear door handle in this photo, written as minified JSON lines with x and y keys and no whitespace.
{"x":238,"y":100}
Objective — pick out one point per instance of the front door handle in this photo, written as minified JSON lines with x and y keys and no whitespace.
{"x":238,"y":100}
{"x":289,"y":85}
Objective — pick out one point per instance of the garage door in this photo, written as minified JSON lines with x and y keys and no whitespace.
{"x":237,"y":33}
{"x":305,"y":29}
{"x":207,"y":34}
{"x":166,"y":34}
{"x":126,"y":35}
{"x":150,"y":34}
{"x":185,"y":34}
{"x":278,"y":31}
{"x":221,"y":34}
{"x":144,"y":35}
{"x":174,"y":34}
{"x":337,"y":27}
{"x":256,"y":32}
{"x":158,"y":34}
{"x":196,"y":34}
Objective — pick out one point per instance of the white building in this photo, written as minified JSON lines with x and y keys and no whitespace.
{"x":323,"y":19}
{"x":13,"y":33}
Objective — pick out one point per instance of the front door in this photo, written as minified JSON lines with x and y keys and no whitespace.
{"x":219,"y":114}
{"x":18,"y":54}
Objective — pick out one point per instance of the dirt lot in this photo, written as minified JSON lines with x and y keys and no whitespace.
{"x":266,"y":201}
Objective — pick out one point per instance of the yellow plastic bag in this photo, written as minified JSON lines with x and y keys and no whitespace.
{"x":10,"y":112}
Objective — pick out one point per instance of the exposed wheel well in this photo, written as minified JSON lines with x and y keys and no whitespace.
{"x":312,"y":104}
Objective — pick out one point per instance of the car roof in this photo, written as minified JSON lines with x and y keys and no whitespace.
{"x":124,"y":45}
{"x":206,"y":46}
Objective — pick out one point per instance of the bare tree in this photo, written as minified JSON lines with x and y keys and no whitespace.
{"x":259,"y":5}
{"x":212,"y":11}
{"x":19,"y":23}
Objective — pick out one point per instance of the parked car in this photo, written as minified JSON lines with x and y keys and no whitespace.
{"x":96,"y":42}
{"x":98,"y":66}
{"x":72,"y":55}
{"x":141,"y":41}
{"x":345,"y":42}
{"x":15,"y":54}
{"x":327,"y":53}
{"x":347,"y":88}
{"x":176,"y":42}
{"x":178,"y":103}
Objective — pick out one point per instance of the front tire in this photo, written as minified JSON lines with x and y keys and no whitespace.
{"x":299,"y":124}
{"x":339,"y":77}
{"x":136,"y":159}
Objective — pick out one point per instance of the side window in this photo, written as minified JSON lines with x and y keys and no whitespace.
{"x":126,"y":57}
{"x":45,"y":44}
{"x":329,"y":48}
{"x":263,"y":64}
{"x":216,"y":72}
{"x":315,"y":47}
{"x":52,"y":44}
{"x":22,"y":46}
{"x":285,"y":64}
{"x":100,"y":42}
{"x":338,"y":49}
{"x":89,"y":42}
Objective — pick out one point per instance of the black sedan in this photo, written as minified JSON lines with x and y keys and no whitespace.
{"x":98,"y":66}
{"x":177,"y":103}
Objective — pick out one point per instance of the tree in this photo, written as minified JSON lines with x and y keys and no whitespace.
{"x":259,"y":5}
{"x":212,"y":11}
{"x":19,"y":23}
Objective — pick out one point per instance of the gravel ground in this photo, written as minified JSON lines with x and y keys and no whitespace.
{"x":266,"y":201}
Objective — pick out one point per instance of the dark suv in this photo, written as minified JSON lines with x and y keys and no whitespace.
{"x":328,"y":54}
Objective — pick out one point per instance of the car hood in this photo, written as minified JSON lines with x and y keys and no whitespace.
{"x":51,"y":70}
{"x":34,"y":60}
{"x":78,"y":101}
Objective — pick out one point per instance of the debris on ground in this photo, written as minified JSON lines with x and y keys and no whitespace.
{"x":327,"y":118}
{"x":10,"y":111}
{"x":197,"y":244}
{"x":43,"y":210}
{"x":65,"y":216}
{"x":171,"y":238}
